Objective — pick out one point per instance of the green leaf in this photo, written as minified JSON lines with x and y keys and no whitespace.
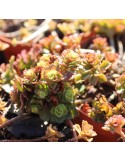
{"x":86,"y":74}
{"x":101,"y":77}
{"x":82,"y":89}
{"x":104,"y":64}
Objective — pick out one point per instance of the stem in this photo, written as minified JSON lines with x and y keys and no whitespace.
{"x":80,"y":111}
{"x":72,"y":140}
{"x":80,"y":101}
{"x":39,"y":139}
{"x":44,"y":27}
{"x":70,"y":124}
{"x":112,"y":96}
{"x":22,"y":104}
{"x":11,"y":121}
{"x":110,"y":83}
{"x":17,"y":33}
{"x":112,"y":43}
{"x":122,"y":135}
{"x":22,"y":97}
{"x":120,"y":47}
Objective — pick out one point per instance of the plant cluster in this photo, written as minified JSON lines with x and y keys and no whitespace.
{"x":57,"y":79}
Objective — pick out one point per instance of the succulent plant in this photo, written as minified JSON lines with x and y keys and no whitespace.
{"x":102,"y":110}
{"x":115,"y":124}
{"x":85,"y":132}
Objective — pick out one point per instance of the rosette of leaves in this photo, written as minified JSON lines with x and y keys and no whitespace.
{"x":48,"y":111}
{"x":70,"y":60}
{"x":119,"y":109}
{"x":67,"y":28}
{"x":92,"y":68}
{"x":52,"y":134}
{"x":101,"y":109}
{"x":120,"y":85}
{"x":41,"y":90}
{"x":84,"y":25}
{"x":100,"y":44}
{"x":67,"y":108}
{"x":52,"y":43}
{"x":35,"y":105}
{"x":7,"y":72}
{"x":85,"y":132}
{"x":109,"y":27}
{"x":72,"y":41}
{"x":115,"y":124}
{"x":69,"y":93}
{"x":62,"y":112}
{"x":44,"y":60}
{"x":51,"y":74}
{"x":29,"y":74}
{"x":26,"y":60}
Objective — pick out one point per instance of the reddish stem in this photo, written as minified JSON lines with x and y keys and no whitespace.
{"x":39,"y":139}
{"x":11,"y":121}
{"x":70,"y":124}
{"x":22,"y":97}
{"x":22,"y":104}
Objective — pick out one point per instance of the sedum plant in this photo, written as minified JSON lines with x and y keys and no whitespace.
{"x":57,"y":79}
{"x":101,"y":110}
{"x":92,"y":68}
{"x":115,"y":124}
{"x":46,"y":92}
{"x":120,"y":85}
{"x":85,"y":132}
{"x":7,"y":72}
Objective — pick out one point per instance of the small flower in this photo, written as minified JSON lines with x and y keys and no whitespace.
{"x":52,"y":134}
{"x":85,"y":132}
{"x":59,"y":111}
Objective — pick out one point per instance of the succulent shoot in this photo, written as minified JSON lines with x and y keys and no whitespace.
{"x":101,"y":109}
{"x":52,"y":134}
{"x":85,"y":132}
{"x":115,"y":124}
{"x":59,"y":111}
